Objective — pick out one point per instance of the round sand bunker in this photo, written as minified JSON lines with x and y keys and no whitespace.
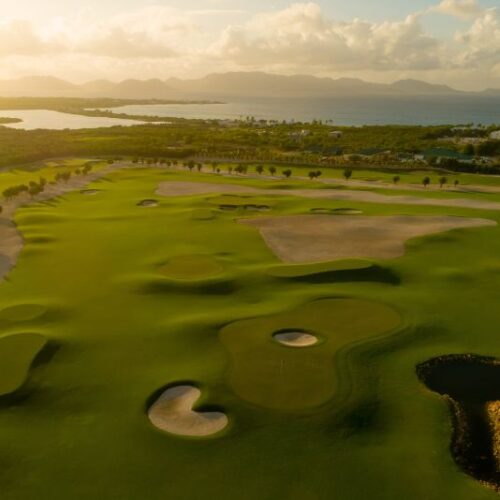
{"x":148,"y":203}
{"x":173,"y":413}
{"x":295,"y":338}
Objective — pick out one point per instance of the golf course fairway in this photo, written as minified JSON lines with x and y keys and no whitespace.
{"x":181,"y":294}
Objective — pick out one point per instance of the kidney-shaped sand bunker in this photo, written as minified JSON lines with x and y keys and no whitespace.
{"x":173,"y":412}
{"x":267,"y":374}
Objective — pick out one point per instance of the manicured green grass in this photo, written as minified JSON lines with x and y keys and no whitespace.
{"x":265,"y":373}
{"x":81,"y":430}
{"x":191,"y":267}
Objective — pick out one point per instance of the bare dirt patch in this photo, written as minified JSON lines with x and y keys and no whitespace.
{"x":315,"y":238}
{"x":173,"y":413}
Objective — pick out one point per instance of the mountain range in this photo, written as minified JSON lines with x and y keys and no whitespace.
{"x":220,"y":85}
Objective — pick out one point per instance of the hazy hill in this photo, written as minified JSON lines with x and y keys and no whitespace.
{"x":220,"y":85}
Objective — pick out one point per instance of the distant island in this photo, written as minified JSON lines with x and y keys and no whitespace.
{"x":220,"y":85}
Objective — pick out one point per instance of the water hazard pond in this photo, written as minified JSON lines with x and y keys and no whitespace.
{"x":472,"y":386}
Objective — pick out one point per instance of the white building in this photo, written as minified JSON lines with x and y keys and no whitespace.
{"x":495,"y":135}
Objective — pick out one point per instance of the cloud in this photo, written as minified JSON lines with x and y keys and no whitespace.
{"x":463,"y":9}
{"x":18,"y":37}
{"x":481,"y":42}
{"x":161,"y":41}
{"x":302,"y":36}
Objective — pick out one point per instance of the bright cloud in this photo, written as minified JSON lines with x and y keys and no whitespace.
{"x":160,"y":41}
{"x":464,"y":9}
{"x":302,"y":36}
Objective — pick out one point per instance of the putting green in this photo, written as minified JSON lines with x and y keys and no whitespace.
{"x":266,"y":374}
{"x":17,"y":352}
{"x":22,"y":312}
{"x":191,"y":267}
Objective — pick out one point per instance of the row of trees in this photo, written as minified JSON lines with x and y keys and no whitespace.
{"x":34,"y":188}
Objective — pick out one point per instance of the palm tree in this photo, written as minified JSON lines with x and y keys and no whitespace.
{"x":442,"y":181}
{"x":396,"y":179}
{"x":272,"y":170}
{"x":347,"y":173}
{"x":259,"y":169}
{"x":426,"y":181}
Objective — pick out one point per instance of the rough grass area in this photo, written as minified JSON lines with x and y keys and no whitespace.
{"x":191,"y":267}
{"x":17,"y":352}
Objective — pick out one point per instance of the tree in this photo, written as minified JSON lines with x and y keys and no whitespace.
{"x":272,"y":170}
{"x":396,"y":179}
{"x":199,"y":167}
{"x":426,"y":181}
{"x":312,"y":175}
{"x":347,"y":173}
{"x":442,"y":181}
{"x":287,"y":173}
{"x":259,"y":169}
{"x":214,"y":166}
{"x":457,"y":182}
{"x":190,"y":165}
{"x":318,"y":173}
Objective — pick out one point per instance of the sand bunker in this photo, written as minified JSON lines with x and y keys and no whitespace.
{"x":173,"y":413}
{"x":90,"y":192}
{"x":295,"y":338}
{"x":173,"y":188}
{"x":336,"y":211}
{"x":315,"y":238}
{"x":148,"y":203}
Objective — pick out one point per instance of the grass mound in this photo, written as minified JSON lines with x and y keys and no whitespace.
{"x":203,"y":214}
{"x":264,"y":373}
{"x":300,"y":270}
{"x":191,"y":267}
{"x":23,"y":312}
{"x":17,"y":353}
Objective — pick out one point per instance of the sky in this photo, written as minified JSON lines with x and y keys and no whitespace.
{"x":455,"y":42}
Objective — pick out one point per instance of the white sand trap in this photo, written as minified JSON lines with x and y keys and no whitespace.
{"x":148,"y":203}
{"x":173,"y":413}
{"x":316,"y":238}
{"x":173,"y":188}
{"x":295,"y":339}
